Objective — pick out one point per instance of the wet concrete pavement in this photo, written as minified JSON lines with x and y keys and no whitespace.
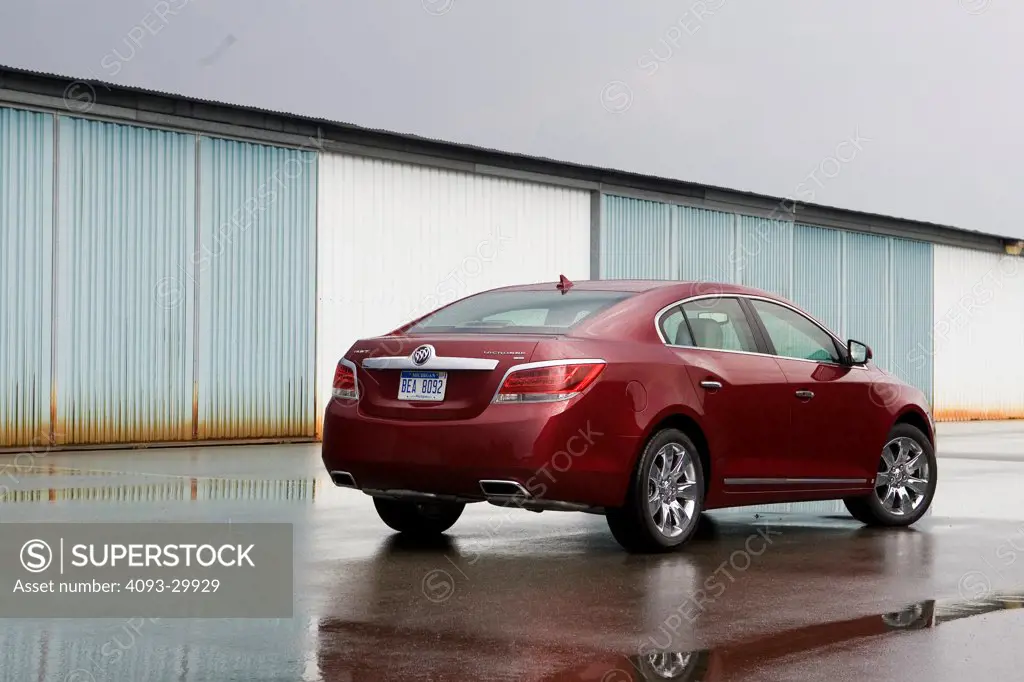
{"x":767,"y":594}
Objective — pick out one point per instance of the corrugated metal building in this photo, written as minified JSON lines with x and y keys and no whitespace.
{"x":176,"y":271}
{"x":978,"y":336}
{"x":458,"y":233}
{"x":863,"y":286}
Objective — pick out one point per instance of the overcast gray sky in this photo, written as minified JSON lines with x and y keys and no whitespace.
{"x":745,"y":94}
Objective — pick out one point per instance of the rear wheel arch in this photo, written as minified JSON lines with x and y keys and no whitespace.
{"x":688,"y":425}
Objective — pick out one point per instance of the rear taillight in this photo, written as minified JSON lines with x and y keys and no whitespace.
{"x":547,"y":382}
{"x":344,"y":386}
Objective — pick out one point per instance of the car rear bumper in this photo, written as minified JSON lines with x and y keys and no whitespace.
{"x":558,"y":451}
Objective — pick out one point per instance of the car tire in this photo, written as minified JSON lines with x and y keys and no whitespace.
{"x":654,"y":519}
{"x":904,"y":502}
{"x":422,"y":519}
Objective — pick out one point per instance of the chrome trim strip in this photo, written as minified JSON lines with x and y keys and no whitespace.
{"x":739,"y":492}
{"x":436,"y":362}
{"x":787,"y":481}
{"x":820,"y":362}
{"x":546,"y":363}
{"x":657,"y":328}
{"x":764,"y":355}
{"x":722,"y":350}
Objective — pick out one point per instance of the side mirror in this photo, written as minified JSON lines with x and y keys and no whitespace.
{"x":859,"y":353}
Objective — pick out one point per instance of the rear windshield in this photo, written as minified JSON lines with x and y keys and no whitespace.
{"x":519,"y":312}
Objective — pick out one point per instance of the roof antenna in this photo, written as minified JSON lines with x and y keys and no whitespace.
{"x":564,"y":284}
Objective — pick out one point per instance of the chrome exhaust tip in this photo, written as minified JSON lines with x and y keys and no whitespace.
{"x":343,"y":479}
{"x":504,"y":490}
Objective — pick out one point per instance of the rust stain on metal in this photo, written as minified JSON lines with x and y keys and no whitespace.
{"x":14,"y":434}
{"x":967,"y":414}
{"x":115,"y":431}
{"x":246,"y":429}
{"x":195,"y":410}
{"x":53,"y":412}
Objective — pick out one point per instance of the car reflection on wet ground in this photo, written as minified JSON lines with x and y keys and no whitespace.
{"x":798,"y":594}
{"x":730,"y":661}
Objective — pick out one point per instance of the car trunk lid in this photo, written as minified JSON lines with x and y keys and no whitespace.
{"x":473,"y":365}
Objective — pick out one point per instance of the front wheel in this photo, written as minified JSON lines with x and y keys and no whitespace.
{"x":905,"y":482}
{"x":423,"y":519}
{"x":665,"y":498}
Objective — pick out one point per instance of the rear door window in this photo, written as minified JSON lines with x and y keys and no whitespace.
{"x":720,"y":324}
{"x":674,"y":328}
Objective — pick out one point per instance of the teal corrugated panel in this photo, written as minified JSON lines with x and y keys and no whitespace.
{"x":26,"y":276}
{"x":911,"y":320}
{"x":818,"y":273}
{"x":878,"y":290}
{"x":257,"y":305}
{"x":635,"y":239}
{"x":126,"y":226}
{"x":764,"y":258}
{"x":867,"y":315}
{"x":705,"y":245}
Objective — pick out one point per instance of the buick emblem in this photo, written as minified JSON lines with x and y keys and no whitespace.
{"x":422,"y":354}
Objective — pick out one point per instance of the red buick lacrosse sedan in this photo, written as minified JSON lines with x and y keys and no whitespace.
{"x":648,"y":402}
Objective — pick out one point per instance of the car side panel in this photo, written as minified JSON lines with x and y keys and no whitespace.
{"x":746,"y":422}
{"x":835,"y":433}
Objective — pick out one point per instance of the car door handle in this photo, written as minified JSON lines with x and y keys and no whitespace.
{"x":711,"y":385}
{"x":805,"y":395}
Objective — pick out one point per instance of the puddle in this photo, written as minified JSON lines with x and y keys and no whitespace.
{"x":722,"y":663}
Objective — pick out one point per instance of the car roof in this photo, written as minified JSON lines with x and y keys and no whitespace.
{"x":676,"y":287}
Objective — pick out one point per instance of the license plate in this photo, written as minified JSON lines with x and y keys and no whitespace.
{"x":422,"y":385}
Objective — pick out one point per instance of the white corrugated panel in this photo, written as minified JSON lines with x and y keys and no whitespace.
{"x":395,"y":241}
{"x":979,"y":335}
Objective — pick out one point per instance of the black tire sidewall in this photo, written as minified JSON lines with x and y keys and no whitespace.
{"x":406,"y":516}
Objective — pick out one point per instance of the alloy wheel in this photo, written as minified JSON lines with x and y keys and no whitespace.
{"x":902,"y":480}
{"x":672,"y":490}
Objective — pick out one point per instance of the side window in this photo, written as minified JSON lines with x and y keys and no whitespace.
{"x":674,"y":328}
{"x":720,"y":323}
{"x":795,"y":336}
